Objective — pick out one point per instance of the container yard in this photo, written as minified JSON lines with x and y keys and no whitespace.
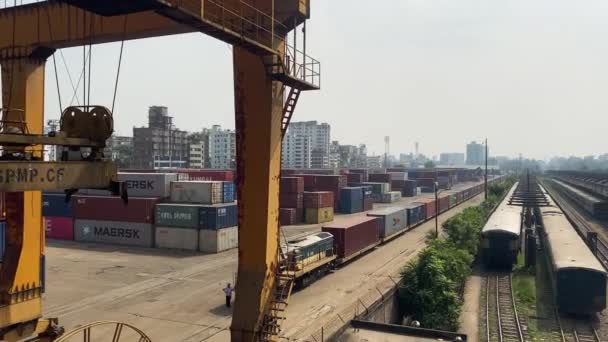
{"x":148,"y":196}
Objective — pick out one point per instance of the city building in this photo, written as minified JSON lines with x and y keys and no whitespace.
{"x":296,"y":152}
{"x":476,"y":154}
{"x":334,"y":155}
{"x":196,"y":159}
{"x":451,"y":159}
{"x":222,"y":148}
{"x":160,"y":145}
{"x":375,"y":162}
{"x":319,"y":135}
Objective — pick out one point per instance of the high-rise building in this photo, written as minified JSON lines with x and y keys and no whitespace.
{"x":296,"y":152}
{"x":319,"y":139}
{"x":476,"y":154}
{"x":374,"y":162}
{"x":196,"y":159}
{"x":451,"y":159}
{"x":222,"y":148}
{"x":160,"y":145}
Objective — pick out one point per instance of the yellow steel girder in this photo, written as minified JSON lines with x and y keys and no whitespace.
{"x":20,"y":287}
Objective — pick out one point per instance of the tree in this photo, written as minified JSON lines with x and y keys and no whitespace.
{"x":429,"y":164}
{"x":123,"y":155}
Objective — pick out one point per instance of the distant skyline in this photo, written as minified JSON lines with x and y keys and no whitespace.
{"x":439,"y":72}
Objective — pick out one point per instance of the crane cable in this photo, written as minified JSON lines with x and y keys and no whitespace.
{"x":122,"y":45}
{"x":14,"y":48}
{"x":48,"y":16}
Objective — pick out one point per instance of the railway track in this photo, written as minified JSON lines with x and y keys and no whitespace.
{"x":576,"y":329}
{"x":502,"y":322}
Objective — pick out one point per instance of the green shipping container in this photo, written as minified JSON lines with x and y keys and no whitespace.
{"x":319,"y":215}
{"x":177,"y":215}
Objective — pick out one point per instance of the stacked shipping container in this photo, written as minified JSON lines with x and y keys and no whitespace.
{"x":291,"y":200}
{"x":318,"y":206}
{"x":57,"y":216}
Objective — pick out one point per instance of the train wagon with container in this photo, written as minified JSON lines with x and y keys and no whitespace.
{"x":500,"y":236}
{"x":593,"y":204}
{"x":309,"y":257}
{"x":353,"y":236}
{"x":578,"y":278}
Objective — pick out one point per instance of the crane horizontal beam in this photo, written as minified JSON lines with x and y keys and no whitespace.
{"x":53,"y":25}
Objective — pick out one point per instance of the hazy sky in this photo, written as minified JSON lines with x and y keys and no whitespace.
{"x":441,"y":72}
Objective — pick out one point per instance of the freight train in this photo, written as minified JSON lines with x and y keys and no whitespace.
{"x":310,"y":257}
{"x":593,"y":204}
{"x":501,"y":234}
{"x":578,"y":278}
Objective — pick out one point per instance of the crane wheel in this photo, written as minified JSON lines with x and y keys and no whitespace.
{"x":105,"y":331}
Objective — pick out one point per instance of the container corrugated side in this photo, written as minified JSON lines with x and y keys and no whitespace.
{"x":176,"y":238}
{"x":60,"y":228}
{"x":390,"y":220}
{"x":351,"y":200}
{"x":353,"y":235}
{"x":148,"y":184}
{"x":54,"y":204}
{"x":227,"y":192}
{"x":137,"y":209}
{"x":319,"y":215}
{"x":218,"y":216}
{"x":177,"y":215}
{"x":113,"y":232}
{"x":215,"y":241}
{"x":199,"y":192}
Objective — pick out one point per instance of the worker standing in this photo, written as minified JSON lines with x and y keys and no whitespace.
{"x":228,"y":291}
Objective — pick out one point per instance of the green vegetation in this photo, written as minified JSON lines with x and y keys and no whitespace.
{"x":429,"y":285}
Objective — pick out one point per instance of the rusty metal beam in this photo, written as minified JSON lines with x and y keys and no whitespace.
{"x":53,"y":25}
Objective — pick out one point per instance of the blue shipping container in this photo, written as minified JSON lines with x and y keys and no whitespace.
{"x":416,"y":213}
{"x":228,"y":192}
{"x":218,"y":216}
{"x":2,"y":239}
{"x":54,"y":205}
{"x":351,"y":200}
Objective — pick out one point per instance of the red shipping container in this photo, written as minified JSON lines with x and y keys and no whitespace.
{"x":299,"y":215}
{"x":354,"y":178}
{"x":319,"y":199}
{"x":291,"y":200}
{"x":398,"y":184}
{"x":351,"y":235}
{"x":380,"y":177}
{"x":287,"y":216}
{"x":309,"y":181}
{"x":60,"y":228}
{"x":444,"y":204}
{"x":332,"y":181}
{"x":207,"y":175}
{"x":292,"y":184}
{"x":106,"y":208}
{"x":429,"y":205}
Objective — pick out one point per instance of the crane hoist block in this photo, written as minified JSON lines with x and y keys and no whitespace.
{"x":94,"y":123}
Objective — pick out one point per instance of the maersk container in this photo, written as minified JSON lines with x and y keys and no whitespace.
{"x":228,"y":192}
{"x":416,"y":213}
{"x":60,"y":228}
{"x":148,"y":184}
{"x":215,"y":241}
{"x":177,"y":215}
{"x":114,"y":232}
{"x":390,"y":220}
{"x":54,"y":204}
{"x":354,"y":234}
{"x":351,"y":200}
{"x":200,"y":192}
{"x":176,"y":238}
{"x":218,"y":216}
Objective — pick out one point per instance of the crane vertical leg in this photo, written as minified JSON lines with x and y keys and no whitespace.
{"x":20,"y":288}
{"x":258,"y":112}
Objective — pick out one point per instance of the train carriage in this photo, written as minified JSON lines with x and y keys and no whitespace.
{"x":501,"y":235}
{"x":578,"y":278}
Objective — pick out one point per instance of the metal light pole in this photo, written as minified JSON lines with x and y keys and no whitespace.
{"x":436,"y":210}
{"x":486,"y":175}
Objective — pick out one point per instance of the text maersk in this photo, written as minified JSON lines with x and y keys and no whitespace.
{"x":140,"y":184}
{"x":116,"y":232}
{"x":31,"y":175}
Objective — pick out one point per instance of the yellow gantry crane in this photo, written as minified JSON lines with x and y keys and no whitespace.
{"x":269,"y":74}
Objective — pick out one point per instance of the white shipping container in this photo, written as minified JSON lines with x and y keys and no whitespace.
{"x":391,"y":197}
{"x":176,"y":238}
{"x":148,"y":184}
{"x":214,"y":241}
{"x":201,"y":192}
